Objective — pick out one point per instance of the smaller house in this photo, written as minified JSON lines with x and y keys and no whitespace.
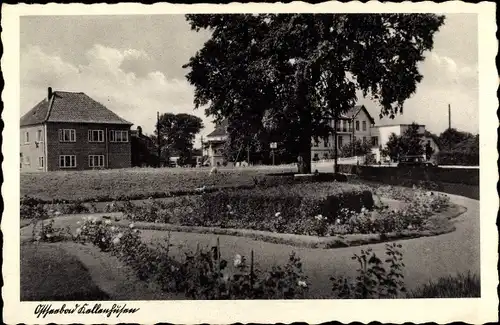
{"x":383,"y":133}
{"x":144,"y":152}
{"x":214,"y":144}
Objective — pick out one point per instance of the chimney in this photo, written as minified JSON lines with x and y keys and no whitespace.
{"x":49,"y":93}
{"x":139,"y":131}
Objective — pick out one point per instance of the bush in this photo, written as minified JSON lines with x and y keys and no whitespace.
{"x":48,"y":233}
{"x":283,"y":209}
{"x":373,"y":281}
{"x":31,"y":208}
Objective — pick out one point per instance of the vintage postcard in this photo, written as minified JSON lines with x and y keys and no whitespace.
{"x":252,"y":163}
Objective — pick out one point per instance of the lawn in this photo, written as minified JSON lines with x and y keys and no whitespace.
{"x":108,"y":185}
{"x":49,"y":273}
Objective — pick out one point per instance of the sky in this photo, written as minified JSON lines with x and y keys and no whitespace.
{"x":133,"y":65}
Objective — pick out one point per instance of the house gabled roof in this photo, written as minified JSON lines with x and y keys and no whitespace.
{"x":434,"y":137}
{"x":73,"y":108}
{"x":353,"y":112}
{"x":220,"y":129}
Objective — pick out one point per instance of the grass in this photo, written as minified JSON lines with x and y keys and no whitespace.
{"x":459,"y":286}
{"x":48,"y":273}
{"x":133,"y":182}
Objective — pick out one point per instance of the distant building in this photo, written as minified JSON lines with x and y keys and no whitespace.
{"x":71,"y":131}
{"x":383,"y":133}
{"x":144,"y":150}
{"x":213,"y":146}
{"x":356,"y":124}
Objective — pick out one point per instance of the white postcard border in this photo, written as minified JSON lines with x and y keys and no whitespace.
{"x":478,"y":310}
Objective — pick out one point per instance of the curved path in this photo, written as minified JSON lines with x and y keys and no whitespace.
{"x":426,"y":258}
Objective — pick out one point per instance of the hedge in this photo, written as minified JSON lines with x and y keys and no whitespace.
{"x":458,"y":158}
{"x":395,"y":175}
{"x":285,"y":209}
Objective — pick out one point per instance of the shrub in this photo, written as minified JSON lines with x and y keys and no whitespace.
{"x":48,"y":233}
{"x":373,"y":281}
{"x":288,"y":209}
{"x":414,"y":216}
{"x":31,"y":208}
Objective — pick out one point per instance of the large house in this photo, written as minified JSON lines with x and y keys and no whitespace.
{"x":356,"y":124}
{"x":71,"y":131}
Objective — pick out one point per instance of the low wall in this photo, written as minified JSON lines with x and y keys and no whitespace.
{"x":469,"y":176}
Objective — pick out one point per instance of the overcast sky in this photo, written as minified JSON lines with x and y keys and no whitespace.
{"x":133,"y":65}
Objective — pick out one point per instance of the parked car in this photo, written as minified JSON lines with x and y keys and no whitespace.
{"x":415,"y":161}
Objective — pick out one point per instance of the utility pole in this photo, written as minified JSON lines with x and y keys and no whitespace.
{"x":335,"y":153}
{"x":449,"y":116}
{"x":352,"y":139}
{"x":158,"y":136}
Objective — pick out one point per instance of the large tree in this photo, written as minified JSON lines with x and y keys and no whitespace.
{"x":177,"y":134}
{"x":293,"y":73}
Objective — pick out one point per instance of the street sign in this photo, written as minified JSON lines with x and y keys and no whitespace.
{"x":274,"y":145}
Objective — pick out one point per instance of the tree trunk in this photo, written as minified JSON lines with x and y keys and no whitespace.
{"x":304,"y":161}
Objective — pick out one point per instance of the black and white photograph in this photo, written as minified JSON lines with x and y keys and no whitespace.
{"x":323,"y":158}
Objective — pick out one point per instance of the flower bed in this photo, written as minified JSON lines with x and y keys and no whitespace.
{"x":304,"y":210}
{"x":299,"y":209}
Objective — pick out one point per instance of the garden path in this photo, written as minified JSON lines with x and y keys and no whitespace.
{"x":426,"y":258}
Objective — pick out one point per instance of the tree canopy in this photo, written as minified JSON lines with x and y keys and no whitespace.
{"x":177,"y":134}
{"x":452,"y":138}
{"x":290,"y":74}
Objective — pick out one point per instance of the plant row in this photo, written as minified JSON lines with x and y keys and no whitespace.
{"x":204,"y":274}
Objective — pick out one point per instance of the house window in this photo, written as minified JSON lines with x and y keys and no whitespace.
{"x":316,"y":143}
{"x":375,"y":141}
{"x":118,"y":136}
{"x":67,"y":161}
{"x":96,"y":136}
{"x":96,"y":160}
{"x":327,"y":144}
{"x":344,"y":126}
{"x":364,"y":125}
{"x":21,"y":160}
{"x":357,"y":125}
{"x":27,"y":160}
{"x":26,"y":137}
{"x":67,"y":135}
{"x":39,"y":137}
{"x":341,"y":140}
{"x":349,"y":125}
{"x":40,"y":162}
